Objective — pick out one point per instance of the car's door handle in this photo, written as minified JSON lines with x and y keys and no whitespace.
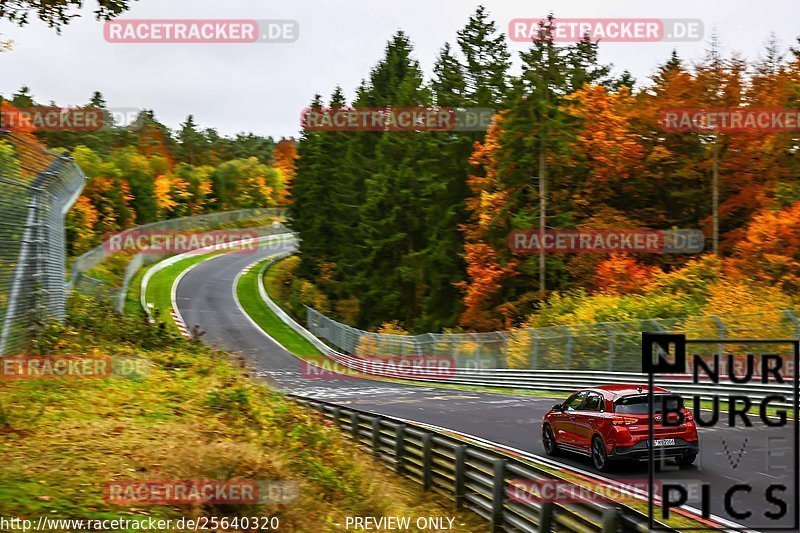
{"x":572,"y":417}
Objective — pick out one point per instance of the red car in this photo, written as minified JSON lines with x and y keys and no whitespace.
{"x":611,"y":422}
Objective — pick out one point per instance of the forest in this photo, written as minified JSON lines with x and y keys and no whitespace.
{"x":408,"y":230}
{"x":144,"y":172}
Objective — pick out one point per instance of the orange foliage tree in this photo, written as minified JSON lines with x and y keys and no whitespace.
{"x":285,"y":156}
{"x":623,"y":274}
{"x":770,"y":249}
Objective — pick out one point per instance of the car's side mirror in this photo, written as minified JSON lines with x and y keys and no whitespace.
{"x":558,"y":407}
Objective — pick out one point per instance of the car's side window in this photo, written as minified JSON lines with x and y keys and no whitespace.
{"x":575,"y":402}
{"x":593,"y":402}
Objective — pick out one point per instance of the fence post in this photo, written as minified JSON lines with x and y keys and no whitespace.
{"x":427,"y":462}
{"x":460,"y":454}
{"x":399,"y":447}
{"x":336,"y":416}
{"x":568,"y":346}
{"x":498,"y":494}
{"x":795,"y":323}
{"x":535,"y":354}
{"x":611,"y":520}
{"x":723,"y":332}
{"x":546,"y":517}
{"x":610,"y":332}
{"x":502,"y":357}
{"x":376,"y":435}
{"x":478,"y":351}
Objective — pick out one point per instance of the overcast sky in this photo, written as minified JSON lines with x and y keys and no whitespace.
{"x":263,"y":87}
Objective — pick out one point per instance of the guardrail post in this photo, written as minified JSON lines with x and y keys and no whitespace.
{"x":354,"y":428}
{"x":427,"y":462}
{"x":611,"y":520}
{"x":460,"y":454}
{"x":546,"y":517}
{"x":376,"y":435}
{"x":399,"y":447}
{"x":336,"y":416}
{"x":498,"y":494}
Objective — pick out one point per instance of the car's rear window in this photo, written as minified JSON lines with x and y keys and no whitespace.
{"x":637,"y":405}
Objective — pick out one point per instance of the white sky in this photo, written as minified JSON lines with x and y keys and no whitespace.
{"x":263,"y":87}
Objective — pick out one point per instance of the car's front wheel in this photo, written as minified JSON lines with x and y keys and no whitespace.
{"x":599,"y":456}
{"x":549,"y":441}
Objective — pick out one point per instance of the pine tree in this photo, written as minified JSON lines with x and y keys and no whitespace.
{"x":487,"y":60}
{"x":448,"y":84}
{"x":192,"y":143}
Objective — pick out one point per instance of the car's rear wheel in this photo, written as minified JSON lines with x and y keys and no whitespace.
{"x":599,"y":456}
{"x":549,"y":441}
{"x":686,"y":460}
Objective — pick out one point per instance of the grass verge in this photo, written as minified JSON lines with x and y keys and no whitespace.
{"x":191,"y":413}
{"x":159,"y":288}
{"x":250,"y":299}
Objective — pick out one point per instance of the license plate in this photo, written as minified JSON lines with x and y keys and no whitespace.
{"x":663,"y":442}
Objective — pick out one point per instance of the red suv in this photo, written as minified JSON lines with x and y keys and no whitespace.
{"x":611,"y":422}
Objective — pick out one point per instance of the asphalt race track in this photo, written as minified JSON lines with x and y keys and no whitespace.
{"x":756,"y":456}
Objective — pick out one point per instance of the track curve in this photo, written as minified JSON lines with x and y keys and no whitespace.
{"x":205,"y":297}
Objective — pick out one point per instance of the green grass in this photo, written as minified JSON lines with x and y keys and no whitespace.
{"x":133,"y":303}
{"x":250,"y":299}
{"x":159,"y":288}
{"x":193,"y":415}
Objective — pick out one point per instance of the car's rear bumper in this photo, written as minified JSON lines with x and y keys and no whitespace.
{"x":640,"y":451}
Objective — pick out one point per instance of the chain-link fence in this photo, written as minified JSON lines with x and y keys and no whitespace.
{"x":116,"y":290}
{"x":39,"y":187}
{"x":608,"y":346}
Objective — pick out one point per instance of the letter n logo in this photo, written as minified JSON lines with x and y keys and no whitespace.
{"x":663,"y":353}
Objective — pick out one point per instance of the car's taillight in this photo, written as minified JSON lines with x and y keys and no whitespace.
{"x":623,"y":420}
{"x":687,"y":415}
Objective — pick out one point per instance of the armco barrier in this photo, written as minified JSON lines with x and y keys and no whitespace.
{"x":600,"y":346}
{"x":474,"y":476}
{"x":273,"y":239}
{"x":540,"y":380}
{"x":84,"y":283}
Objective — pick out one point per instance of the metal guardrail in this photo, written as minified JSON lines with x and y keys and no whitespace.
{"x":538,"y":380}
{"x":602,"y":346}
{"x":275,"y":238}
{"x":473,"y":476}
{"x":84,"y":283}
{"x":39,"y":187}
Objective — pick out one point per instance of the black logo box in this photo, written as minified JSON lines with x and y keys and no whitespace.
{"x":673,"y":346}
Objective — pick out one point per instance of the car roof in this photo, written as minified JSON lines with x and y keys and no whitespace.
{"x":624,"y":389}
